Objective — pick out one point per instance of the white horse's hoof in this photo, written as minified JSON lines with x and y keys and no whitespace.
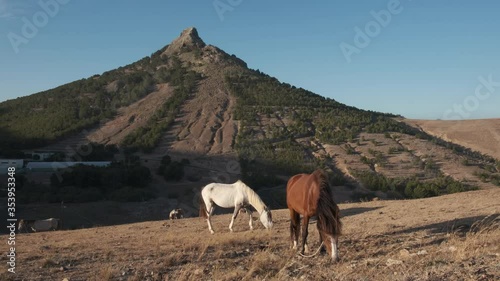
{"x":212,"y":232}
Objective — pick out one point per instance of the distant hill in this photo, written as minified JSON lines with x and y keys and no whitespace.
{"x":481,"y":135}
{"x":196,"y":102}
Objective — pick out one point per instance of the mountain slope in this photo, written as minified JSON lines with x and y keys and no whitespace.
{"x":194,"y":101}
{"x":131,"y":117}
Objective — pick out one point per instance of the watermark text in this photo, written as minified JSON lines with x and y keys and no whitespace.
{"x":31,"y":26}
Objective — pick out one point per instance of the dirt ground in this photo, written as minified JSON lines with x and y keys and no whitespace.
{"x":453,"y":237}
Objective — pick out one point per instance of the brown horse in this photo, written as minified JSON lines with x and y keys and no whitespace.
{"x":309,"y":195}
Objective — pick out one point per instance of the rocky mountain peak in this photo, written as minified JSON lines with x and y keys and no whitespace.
{"x":189,"y":38}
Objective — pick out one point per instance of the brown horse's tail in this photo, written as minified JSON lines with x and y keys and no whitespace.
{"x":203,"y":208}
{"x":328,"y":212}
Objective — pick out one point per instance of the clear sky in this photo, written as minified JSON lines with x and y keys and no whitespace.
{"x":422,"y":59}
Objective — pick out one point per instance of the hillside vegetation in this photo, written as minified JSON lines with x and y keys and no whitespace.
{"x":193,"y":101}
{"x":45,"y":117}
{"x":284,"y":131}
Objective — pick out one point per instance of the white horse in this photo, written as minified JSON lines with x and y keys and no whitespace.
{"x":39,"y":225}
{"x":237,"y":195}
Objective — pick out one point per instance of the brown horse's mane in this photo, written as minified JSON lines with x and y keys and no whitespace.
{"x":327,"y":210}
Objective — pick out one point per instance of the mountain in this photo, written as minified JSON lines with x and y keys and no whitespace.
{"x":193,"y":101}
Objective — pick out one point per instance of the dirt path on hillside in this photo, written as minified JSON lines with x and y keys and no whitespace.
{"x":206,"y":125}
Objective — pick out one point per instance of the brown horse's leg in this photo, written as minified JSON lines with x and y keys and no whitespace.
{"x":305,"y":224}
{"x":294,"y":227}
{"x":321,"y":239}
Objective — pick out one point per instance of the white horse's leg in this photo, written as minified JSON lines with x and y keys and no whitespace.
{"x":250,"y":222}
{"x":210,"y":209}
{"x":235,"y":214}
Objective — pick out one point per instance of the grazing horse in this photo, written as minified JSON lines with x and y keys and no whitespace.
{"x":176,"y":214}
{"x":237,"y":195}
{"x":309,"y":195}
{"x":39,"y":225}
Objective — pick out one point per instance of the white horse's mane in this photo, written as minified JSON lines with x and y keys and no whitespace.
{"x":253,"y":197}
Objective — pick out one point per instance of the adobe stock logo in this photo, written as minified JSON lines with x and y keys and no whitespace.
{"x":363,"y":37}
{"x":223,"y":6}
{"x":31,"y":27}
{"x":471,"y":103}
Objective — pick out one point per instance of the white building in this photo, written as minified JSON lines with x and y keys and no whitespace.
{"x":6,"y":163}
{"x":54,"y":166}
{"x":39,"y":155}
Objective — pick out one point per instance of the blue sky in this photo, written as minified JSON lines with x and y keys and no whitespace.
{"x":421,"y":59}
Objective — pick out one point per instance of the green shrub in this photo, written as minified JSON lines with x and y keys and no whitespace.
{"x":411,"y":187}
{"x":362,"y":196}
{"x":174,"y":171}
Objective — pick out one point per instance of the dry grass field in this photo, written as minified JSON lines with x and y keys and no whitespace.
{"x":453,"y":237}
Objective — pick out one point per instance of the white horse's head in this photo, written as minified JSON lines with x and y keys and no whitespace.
{"x":266,"y":218}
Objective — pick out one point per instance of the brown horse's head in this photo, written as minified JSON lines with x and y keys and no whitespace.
{"x":328,"y":224}
{"x":331,"y":244}
{"x":330,"y":231}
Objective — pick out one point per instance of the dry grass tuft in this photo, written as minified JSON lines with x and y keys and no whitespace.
{"x":483,"y":238}
{"x":264,"y":264}
{"x":48,"y":263}
{"x":105,"y":274}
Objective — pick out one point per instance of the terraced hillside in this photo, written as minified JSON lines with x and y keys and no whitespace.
{"x":193,"y":101}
